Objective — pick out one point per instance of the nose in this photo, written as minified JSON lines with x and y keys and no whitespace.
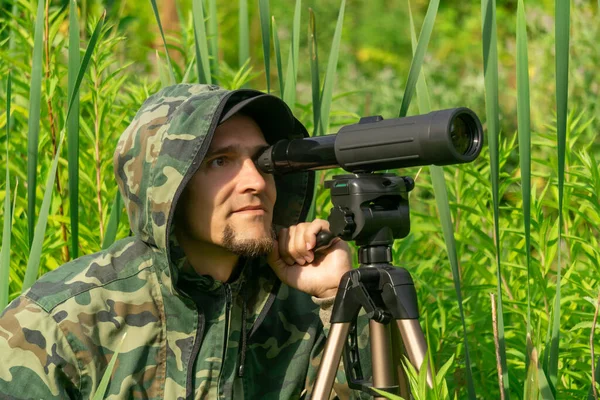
{"x":251,"y":178}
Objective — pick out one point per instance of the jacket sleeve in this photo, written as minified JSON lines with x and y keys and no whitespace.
{"x":340,"y":388}
{"x":36,"y":361}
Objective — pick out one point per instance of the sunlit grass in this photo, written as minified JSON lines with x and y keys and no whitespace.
{"x":490,"y":226}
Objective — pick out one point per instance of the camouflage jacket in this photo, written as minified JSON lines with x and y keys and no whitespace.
{"x":187,"y":338}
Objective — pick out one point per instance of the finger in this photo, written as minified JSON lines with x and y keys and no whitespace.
{"x":294,"y":250}
{"x":310,"y":235}
{"x":300,"y":242}
{"x":283,"y":239}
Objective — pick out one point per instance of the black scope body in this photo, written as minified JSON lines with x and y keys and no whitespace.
{"x":443,"y":137}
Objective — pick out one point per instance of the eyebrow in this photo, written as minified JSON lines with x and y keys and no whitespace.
{"x":236,"y":148}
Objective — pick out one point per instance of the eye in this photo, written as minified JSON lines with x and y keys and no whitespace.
{"x":217,"y":162}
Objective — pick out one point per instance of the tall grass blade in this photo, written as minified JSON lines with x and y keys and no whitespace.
{"x":277,"y":52}
{"x":73,"y":127}
{"x":33,"y":123}
{"x":113,"y":221}
{"x":331,"y":68}
{"x":490,"y":72}
{"x":100,"y":391}
{"x":12,"y":40}
{"x":244,"y":39}
{"x":40,"y":228}
{"x":188,"y":70}
{"x":524,"y":130}
{"x":163,"y":75}
{"x":6,"y":229}
{"x":563,"y":11}
{"x":532,"y":385}
{"x":546,"y":391}
{"x":314,"y":71}
{"x":441,"y":197}
{"x":419,"y":54}
{"x":12,"y":37}
{"x":213,"y":37}
{"x":289,"y":95}
{"x":162,"y":35}
{"x":265,"y":29}
{"x":35,"y":253}
{"x":201,"y":43}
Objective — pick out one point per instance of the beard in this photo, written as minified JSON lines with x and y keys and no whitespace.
{"x":255,"y":247}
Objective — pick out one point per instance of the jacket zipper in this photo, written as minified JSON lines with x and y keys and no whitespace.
{"x":228,"y":301}
{"x":189,"y":390}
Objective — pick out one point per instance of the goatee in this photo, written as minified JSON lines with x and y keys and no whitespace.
{"x":248,"y":247}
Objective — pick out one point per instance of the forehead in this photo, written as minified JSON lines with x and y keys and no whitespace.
{"x":239,"y":129}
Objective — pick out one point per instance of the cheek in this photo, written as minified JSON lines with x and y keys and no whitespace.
{"x":271,"y":188}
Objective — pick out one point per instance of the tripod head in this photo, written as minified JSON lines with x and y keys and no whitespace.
{"x":370,"y":209}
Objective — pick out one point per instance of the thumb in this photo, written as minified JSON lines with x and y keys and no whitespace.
{"x":273,"y":258}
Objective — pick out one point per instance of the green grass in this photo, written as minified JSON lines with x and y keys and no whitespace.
{"x":521,"y":222}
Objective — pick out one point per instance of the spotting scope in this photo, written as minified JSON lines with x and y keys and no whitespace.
{"x":443,"y":137}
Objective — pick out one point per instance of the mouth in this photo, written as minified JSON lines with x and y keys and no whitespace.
{"x":251,"y":210}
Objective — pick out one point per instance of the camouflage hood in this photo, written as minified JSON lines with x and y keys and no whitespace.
{"x":165,"y":144}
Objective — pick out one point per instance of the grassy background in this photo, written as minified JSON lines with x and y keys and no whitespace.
{"x":528,"y":69}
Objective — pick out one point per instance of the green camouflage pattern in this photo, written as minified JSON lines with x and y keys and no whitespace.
{"x":187,"y":337}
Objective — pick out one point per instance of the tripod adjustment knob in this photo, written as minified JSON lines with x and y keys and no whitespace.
{"x":342,"y":220}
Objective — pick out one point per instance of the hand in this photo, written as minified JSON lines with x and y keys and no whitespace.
{"x":295,"y":263}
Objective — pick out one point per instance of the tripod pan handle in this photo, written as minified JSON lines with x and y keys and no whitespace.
{"x":324,"y":240}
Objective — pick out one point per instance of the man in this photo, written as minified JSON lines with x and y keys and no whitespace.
{"x":214,"y":305}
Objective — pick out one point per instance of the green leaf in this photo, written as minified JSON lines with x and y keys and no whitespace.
{"x":35,"y":253}
{"x":162,"y":35}
{"x":265,"y":29}
{"x":531,"y":387}
{"x":490,"y":72}
{"x":162,"y":71}
{"x":244,"y":32}
{"x":213,"y":36}
{"x":35,"y":104}
{"x":188,"y":70}
{"x":99,"y":395}
{"x":444,"y":370}
{"x":419,"y":55}
{"x":113,"y":221}
{"x":331,"y":69}
{"x":562,"y":20}
{"x":524,"y":130}
{"x":6,"y":228}
{"x":201,"y":43}
{"x":314,"y":71}
{"x":277,"y":51}
{"x":388,"y":395}
{"x":73,"y":127}
{"x":289,"y":95}
{"x":13,"y":36}
{"x":546,"y":391}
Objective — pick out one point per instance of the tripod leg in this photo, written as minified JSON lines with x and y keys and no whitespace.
{"x":398,"y":353}
{"x":332,"y":353}
{"x":414,"y":343}
{"x":381,"y":355}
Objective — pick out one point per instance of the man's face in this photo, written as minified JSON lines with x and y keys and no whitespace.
{"x":229,"y":202}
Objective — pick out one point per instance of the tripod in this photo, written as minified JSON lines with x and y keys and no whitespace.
{"x":372,"y":210}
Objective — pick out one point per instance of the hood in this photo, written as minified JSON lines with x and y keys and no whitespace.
{"x":165,"y":144}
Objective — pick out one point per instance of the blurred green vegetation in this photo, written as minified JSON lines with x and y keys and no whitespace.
{"x":375,"y":55}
